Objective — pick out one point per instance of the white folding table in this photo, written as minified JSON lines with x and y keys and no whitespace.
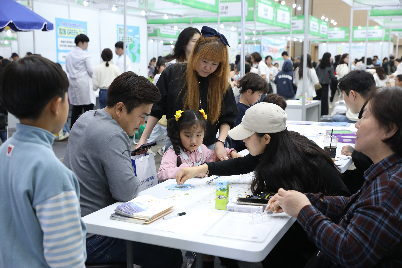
{"x":188,"y":232}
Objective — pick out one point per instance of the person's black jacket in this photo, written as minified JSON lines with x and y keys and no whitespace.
{"x":284,"y":80}
{"x":389,"y":67}
{"x":170,"y":84}
{"x":243,"y":165}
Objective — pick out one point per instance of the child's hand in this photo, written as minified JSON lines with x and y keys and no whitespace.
{"x":234,"y":154}
{"x":190,"y":172}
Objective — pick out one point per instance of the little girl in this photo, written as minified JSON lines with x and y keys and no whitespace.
{"x":186,"y":131}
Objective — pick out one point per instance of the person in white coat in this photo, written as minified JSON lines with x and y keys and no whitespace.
{"x":104,"y":75}
{"x":119,"y":49}
{"x":79,"y":69}
{"x":263,"y":70}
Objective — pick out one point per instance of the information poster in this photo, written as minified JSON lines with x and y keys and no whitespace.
{"x":66,"y":31}
{"x":273,"y":47}
{"x":133,"y":41}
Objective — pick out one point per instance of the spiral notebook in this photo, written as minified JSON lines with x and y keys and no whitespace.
{"x":143,"y":209}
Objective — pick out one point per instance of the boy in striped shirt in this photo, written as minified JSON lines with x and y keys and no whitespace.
{"x":40,"y":222}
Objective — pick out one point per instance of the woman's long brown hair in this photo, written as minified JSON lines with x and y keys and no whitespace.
{"x":211,"y":49}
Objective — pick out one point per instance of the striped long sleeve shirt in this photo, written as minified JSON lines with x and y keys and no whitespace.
{"x":364,"y":230}
{"x":40,"y":222}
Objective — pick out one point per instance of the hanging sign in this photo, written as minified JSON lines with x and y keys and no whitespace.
{"x":66,"y":31}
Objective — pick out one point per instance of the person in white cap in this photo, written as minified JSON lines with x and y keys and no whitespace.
{"x":279,"y":158}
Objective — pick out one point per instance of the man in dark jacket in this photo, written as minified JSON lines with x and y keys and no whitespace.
{"x":284,"y":80}
{"x":389,"y":66}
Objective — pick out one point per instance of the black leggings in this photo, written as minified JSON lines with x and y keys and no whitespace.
{"x":322,"y":95}
{"x":77,"y":111}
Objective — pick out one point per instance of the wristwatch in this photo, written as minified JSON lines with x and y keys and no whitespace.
{"x":221,"y":141}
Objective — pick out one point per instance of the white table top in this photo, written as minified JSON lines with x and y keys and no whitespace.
{"x":188,"y":232}
{"x":297,"y":104}
{"x":316,"y":133}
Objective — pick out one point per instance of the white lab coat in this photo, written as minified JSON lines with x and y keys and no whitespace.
{"x":80,"y":70}
{"x":120,"y":64}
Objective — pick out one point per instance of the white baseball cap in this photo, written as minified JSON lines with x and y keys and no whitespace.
{"x":260,"y":118}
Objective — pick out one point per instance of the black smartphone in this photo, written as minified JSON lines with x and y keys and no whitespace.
{"x":252,"y":201}
{"x":145,"y":146}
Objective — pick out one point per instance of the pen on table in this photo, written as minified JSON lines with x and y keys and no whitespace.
{"x":174,"y":216}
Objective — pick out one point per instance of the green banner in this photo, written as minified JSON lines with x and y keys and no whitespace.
{"x":208,"y":5}
{"x":167,"y":32}
{"x":385,"y":13}
{"x":298,"y":24}
{"x":375,"y":33}
{"x":169,"y":21}
{"x":338,"y":34}
{"x":283,"y":14}
{"x":265,"y":12}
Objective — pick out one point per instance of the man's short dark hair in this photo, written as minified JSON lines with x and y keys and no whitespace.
{"x":27,"y":86}
{"x":119,"y":44}
{"x":375,"y":57}
{"x":29,"y":54}
{"x":132,"y":90}
{"x":14,"y":55}
{"x":81,"y":38}
{"x":399,"y":76}
{"x":285,"y":53}
{"x":360,"y":81}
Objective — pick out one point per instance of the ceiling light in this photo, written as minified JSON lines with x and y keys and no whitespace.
{"x":359,"y":27}
{"x":343,"y":44}
{"x":151,"y":41}
{"x":246,"y":37}
{"x":323,"y":17}
{"x":295,"y":39}
{"x":283,"y":38}
{"x":172,"y":46}
{"x":361,"y":43}
{"x":165,"y":17}
{"x":239,"y":45}
{"x":380,"y":43}
{"x":114,"y":8}
{"x":253,"y":38}
{"x":255,"y":44}
{"x":222,"y":26}
{"x":336,"y":28}
{"x":326,"y":19}
{"x":299,"y":7}
{"x":294,"y":5}
{"x":283,"y":3}
{"x":288,"y":38}
{"x":253,"y":32}
{"x":161,"y":42}
{"x":143,"y":13}
{"x":171,"y":42}
{"x":335,"y":23}
{"x":301,"y":40}
{"x":324,"y":44}
{"x":332,"y":21}
{"x":85,"y":3}
{"x":6,"y":42}
{"x":175,"y":28}
{"x":376,"y":27}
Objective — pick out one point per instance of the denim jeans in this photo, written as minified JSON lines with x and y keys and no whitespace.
{"x":341,"y":118}
{"x":103,"y":249}
{"x":102,"y":98}
{"x":3,"y":136}
{"x":66,"y":128}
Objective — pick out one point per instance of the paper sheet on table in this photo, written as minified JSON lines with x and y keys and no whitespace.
{"x":241,"y":226}
{"x":195,"y":221}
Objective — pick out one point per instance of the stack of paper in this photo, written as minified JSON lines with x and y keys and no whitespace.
{"x":142,"y":210}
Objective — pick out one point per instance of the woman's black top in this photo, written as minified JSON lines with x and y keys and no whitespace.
{"x":242,"y":165}
{"x":171,"y":83}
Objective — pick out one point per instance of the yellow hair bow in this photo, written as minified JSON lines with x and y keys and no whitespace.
{"x":203,"y":114}
{"x":178,"y":114}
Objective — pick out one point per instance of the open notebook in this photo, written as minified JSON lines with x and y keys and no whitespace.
{"x":142,"y":210}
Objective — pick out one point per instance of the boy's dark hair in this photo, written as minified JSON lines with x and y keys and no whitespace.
{"x":81,"y":38}
{"x":27,"y":86}
{"x":385,"y":106}
{"x":107,"y":55}
{"x":247,"y":68}
{"x":285,"y":53}
{"x":132,"y":90}
{"x":360,"y":81}
{"x":119,"y":44}
{"x":276,"y":99}
{"x":257,"y":57}
{"x":188,"y":119}
{"x":29,"y":53}
{"x":14,"y":55}
{"x":161,"y":62}
{"x":254,"y":82}
{"x":399,"y":76}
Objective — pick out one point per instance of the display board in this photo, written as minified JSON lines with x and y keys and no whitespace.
{"x":66,"y":31}
{"x":273,"y":47}
{"x":133,"y":50}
